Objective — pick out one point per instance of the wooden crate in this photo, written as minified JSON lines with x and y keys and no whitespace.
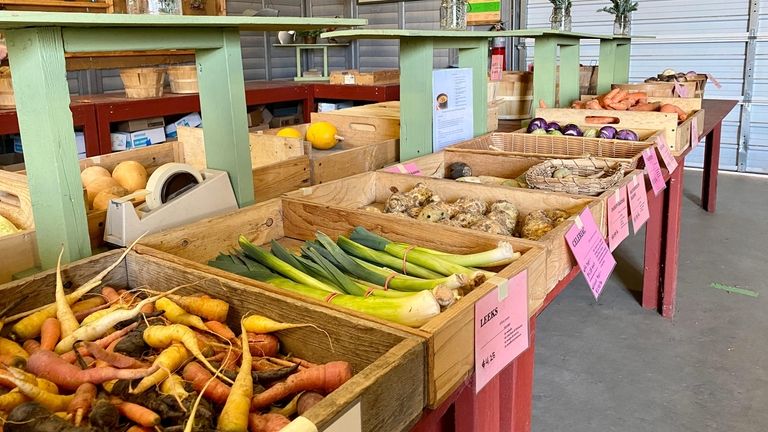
{"x":677,"y":136}
{"x":381,"y":119}
{"x":480,"y":12}
{"x":382,"y":358}
{"x":450,"y":335}
{"x":520,"y":143}
{"x":279,"y":164}
{"x":365,"y":189}
{"x":355,"y":77}
{"x":360,"y":151}
{"x":18,"y":252}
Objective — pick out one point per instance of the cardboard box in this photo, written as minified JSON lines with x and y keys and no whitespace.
{"x":131,"y":140}
{"x":261,"y":115}
{"x":278,"y":122}
{"x":190,"y":120}
{"x":141,"y":124}
{"x":325,"y":107}
{"x":79,"y":143}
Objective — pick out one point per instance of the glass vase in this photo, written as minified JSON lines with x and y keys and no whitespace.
{"x":453,"y":15}
{"x":561,"y":18}
{"x":622,"y":25}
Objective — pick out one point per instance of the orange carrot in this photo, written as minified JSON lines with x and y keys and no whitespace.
{"x":50,"y":333}
{"x":31,"y":345}
{"x":645,"y":107}
{"x":217,"y":391}
{"x":81,"y":403}
{"x":267,"y":422}
{"x":263,"y":345}
{"x":542,"y":104}
{"x":220,"y":329}
{"x":301,"y":362}
{"x":110,"y":295}
{"x":70,"y":356}
{"x":112,"y":358}
{"x":137,"y":428}
{"x":323,"y":378}
{"x":138,"y":414}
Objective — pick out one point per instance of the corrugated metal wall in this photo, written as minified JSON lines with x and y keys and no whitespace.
{"x":702,"y":35}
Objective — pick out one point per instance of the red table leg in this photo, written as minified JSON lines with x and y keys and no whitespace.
{"x":653,"y":252}
{"x":517,"y":403}
{"x":674,"y":198}
{"x":711,"y":165}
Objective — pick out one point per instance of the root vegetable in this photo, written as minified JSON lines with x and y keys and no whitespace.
{"x":267,"y":422}
{"x":104,"y":415}
{"x":234,"y":415}
{"x":263,"y":345}
{"x":50,"y":366}
{"x":138,"y":414}
{"x":217,"y":391}
{"x":70,"y":356}
{"x":163,"y":336}
{"x":307,"y":400}
{"x":32,"y":417}
{"x":8,"y":346}
{"x":174,"y":386}
{"x":167,"y":362}
{"x":324,"y":378}
{"x":645,"y":107}
{"x":261,"y":324}
{"x":669,"y":108}
{"x":112,"y":358}
{"x":48,"y":400}
{"x":207,"y":308}
{"x":177,"y":315}
{"x":221,"y":329}
{"x":81,"y":403}
{"x":50,"y":333}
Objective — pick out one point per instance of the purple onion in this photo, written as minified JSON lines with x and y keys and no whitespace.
{"x":537,"y":123}
{"x":572,"y":130}
{"x":607,"y":132}
{"x":627,"y":135}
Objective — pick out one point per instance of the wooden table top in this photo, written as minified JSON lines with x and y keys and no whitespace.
{"x":715,"y":110}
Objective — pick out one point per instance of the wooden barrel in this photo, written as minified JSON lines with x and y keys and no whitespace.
{"x":183,"y":78}
{"x":143,"y":83}
{"x":515,"y":94}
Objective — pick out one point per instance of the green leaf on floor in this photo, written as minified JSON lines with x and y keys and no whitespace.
{"x":733,"y":289}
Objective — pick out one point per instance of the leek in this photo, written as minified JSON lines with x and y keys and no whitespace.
{"x":432,"y":262}
{"x":414,"y":310}
{"x":276,"y":264}
{"x":382,"y":258}
{"x":503,"y":254}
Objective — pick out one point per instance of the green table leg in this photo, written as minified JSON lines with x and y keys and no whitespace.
{"x":477,"y":59}
{"x":415,"y":95}
{"x":614,"y":64}
{"x":39,"y":74}
{"x":222,"y":101}
{"x":544,"y":71}
{"x":569,"y":74}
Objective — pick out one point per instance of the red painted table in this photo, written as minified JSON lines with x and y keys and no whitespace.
{"x":373,"y":93}
{"x":83,"y":116}
{"x":714,"y":113}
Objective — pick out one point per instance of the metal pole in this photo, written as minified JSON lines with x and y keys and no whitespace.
{"x":521,"y":21}
{"x":742,"y":153}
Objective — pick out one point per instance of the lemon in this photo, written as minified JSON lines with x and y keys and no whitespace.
{"x":322,"y":135}
{"x":290,"y":132}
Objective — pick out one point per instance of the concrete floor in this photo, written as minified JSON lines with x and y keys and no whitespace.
{"x":613,"y":366}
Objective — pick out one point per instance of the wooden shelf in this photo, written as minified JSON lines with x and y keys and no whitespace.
{"x":57,"y":3}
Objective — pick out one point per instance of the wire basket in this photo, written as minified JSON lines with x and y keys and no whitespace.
{"x":588,"y":176}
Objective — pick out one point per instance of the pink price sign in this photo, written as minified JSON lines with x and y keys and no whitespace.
{"x":666,"y":155}
{"x":501,"y":328}
{"x":653,"y":168}
{"x":714,"y":81}
{"x":638,"y":202}
{"x":497,"y":61}
{"x":406,"y":168}
{"x":695,"y":138}
{"x":591,"y":252}
{"x":618,"y":218}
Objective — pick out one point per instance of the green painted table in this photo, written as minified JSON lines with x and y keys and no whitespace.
{"x":416,"y":54}
{"x":315,"y":46}
{"x":36,"y":45}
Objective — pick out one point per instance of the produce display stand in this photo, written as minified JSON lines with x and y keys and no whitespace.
{"x":382,"y":358}
{"x":36,"y":45}
{"x":416,"y":57}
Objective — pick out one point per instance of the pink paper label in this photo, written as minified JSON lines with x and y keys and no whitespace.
{"x":618,"y":218}
{"x":591,"y":252}
{"x":501,"y":328}
{"x":406,"y":168}
{"x":666,"y":155}
{"x":638,"y":202}
{"x":695,"y":138}
{"x":714,"y":81}
{"x":496,"y":63}
{"x":653,"y":169}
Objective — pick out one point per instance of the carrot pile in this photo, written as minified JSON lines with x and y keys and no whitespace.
{"x":151,"y":361}
{"x":622,"y":100}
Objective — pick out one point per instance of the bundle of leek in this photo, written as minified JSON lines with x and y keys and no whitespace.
{"x":363,"y":272}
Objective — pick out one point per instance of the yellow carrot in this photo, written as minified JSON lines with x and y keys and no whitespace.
{"x":50,"y":401}
{"x":234,"y":415}
{"x":163,"y":336}
{"x":168,"y":361}
{"x":66,"y":317}
{"x":174,"y":386}
{"x":8,"y":346}
{"x":208,"y":308}
{"x":261,"y":324}
{"x":175,"y":314}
